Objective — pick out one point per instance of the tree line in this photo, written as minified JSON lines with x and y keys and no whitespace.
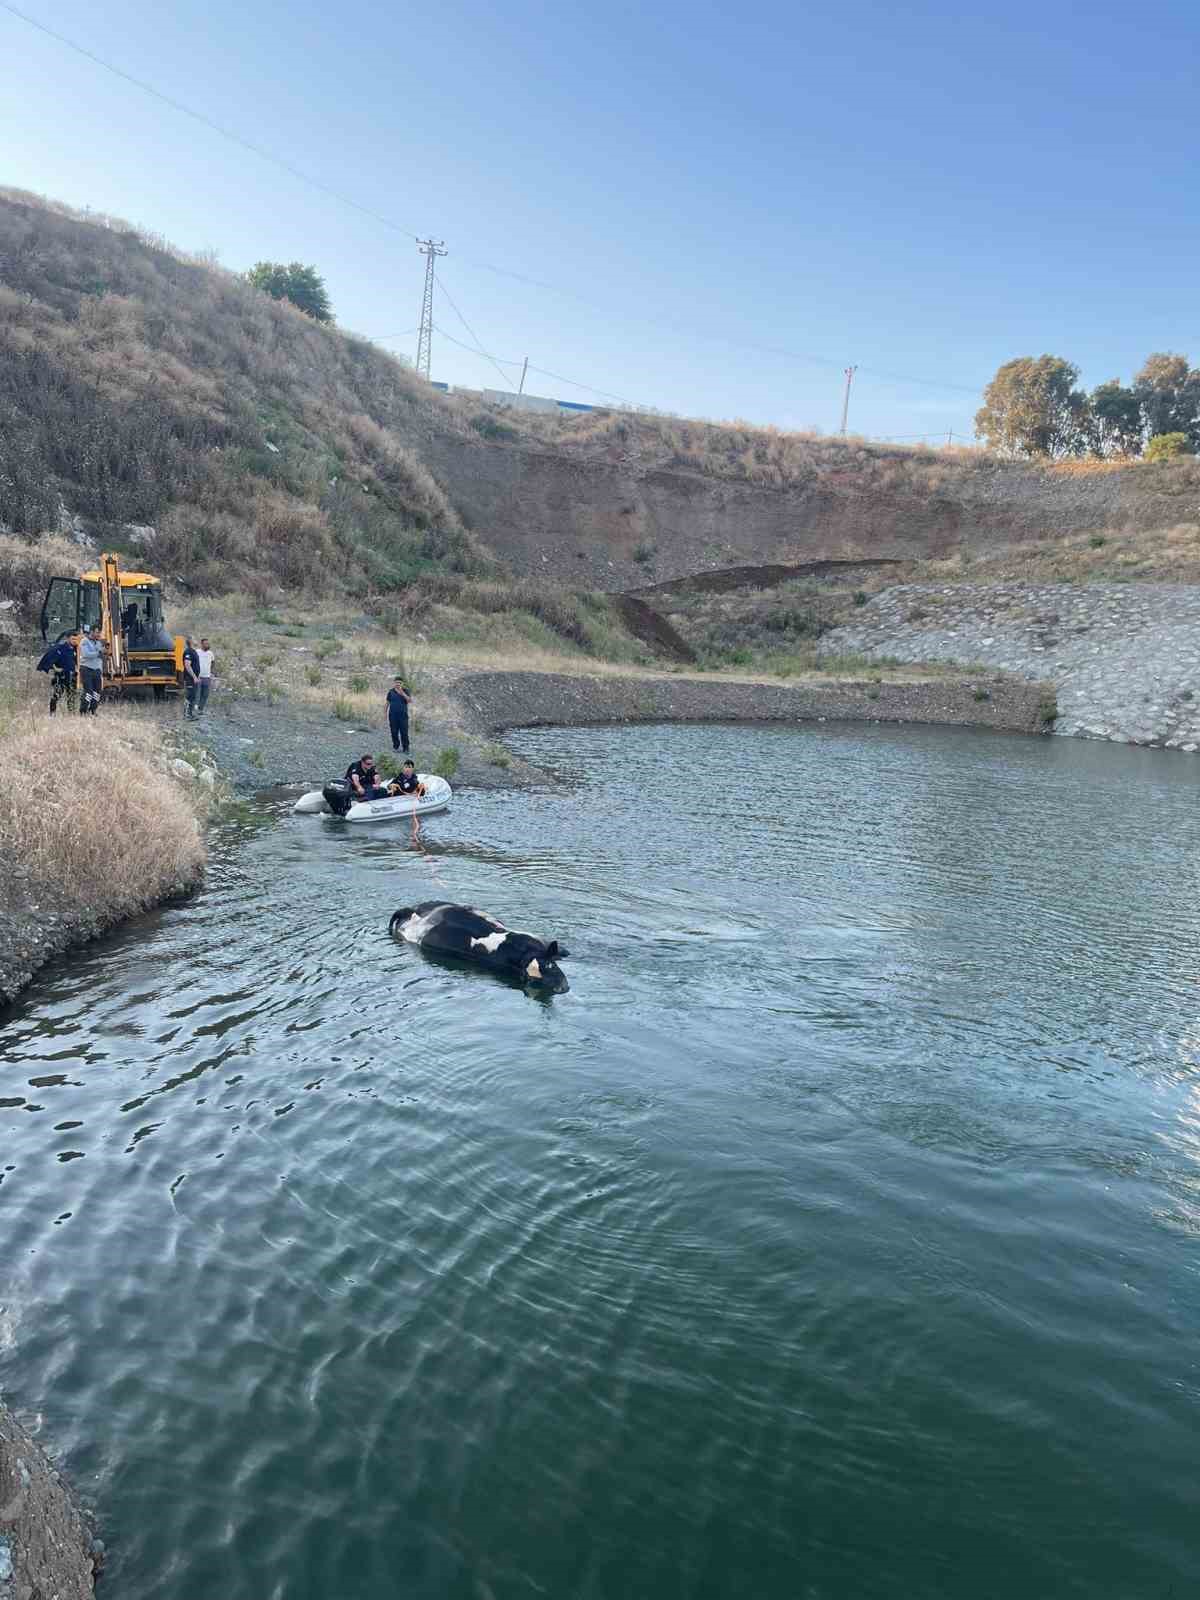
{"x":1034,"y":407}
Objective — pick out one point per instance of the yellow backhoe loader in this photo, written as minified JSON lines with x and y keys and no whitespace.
{"x":126,"y":610}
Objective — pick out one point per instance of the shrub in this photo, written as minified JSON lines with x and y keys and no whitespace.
{"x":861,"y":597}
{"x":644,"y":554}
{"x":1097,"y":541}
{"x":389,"y":765}
{"x":1048,"y":709}
{"x":982,"y":694}
{"x":496,"y":755}
{"x":447,"y":761}
{"x":345,"y":710}
{"x":359,"y":684}
{"x":1167,"y":447}
{"x":327,"y":648}
{"x":313,"y":675}
{"x":270,"y":618}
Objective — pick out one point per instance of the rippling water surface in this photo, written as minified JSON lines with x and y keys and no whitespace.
{"x":836,"y":1236}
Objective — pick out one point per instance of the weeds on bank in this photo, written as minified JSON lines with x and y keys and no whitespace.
{"x":447,"y":761}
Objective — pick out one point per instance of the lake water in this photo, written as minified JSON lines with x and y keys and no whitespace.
{"x":838,"y":1235}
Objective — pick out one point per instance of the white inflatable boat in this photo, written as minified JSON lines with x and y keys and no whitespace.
{"x":333,"y":801}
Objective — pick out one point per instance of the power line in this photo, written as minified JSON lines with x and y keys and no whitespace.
{"x":198,"y":116}
{"x":806,"y":357}
{"x":504,"y":378}
{"x":557,"y":376}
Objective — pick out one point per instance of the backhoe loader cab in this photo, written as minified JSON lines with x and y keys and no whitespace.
{"x":126,"y":610}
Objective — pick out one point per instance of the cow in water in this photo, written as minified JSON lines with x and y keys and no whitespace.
{"x":449,"y":930}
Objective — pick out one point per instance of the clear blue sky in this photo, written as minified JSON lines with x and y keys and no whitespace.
{"x":716,"y":193}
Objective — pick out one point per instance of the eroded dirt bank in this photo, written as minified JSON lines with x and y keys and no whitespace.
{"x":493,"y":701}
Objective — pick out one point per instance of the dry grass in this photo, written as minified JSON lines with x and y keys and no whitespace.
{"x":141,"y":386}
{"x":1142,"y":555}
{"x":117,"y":835}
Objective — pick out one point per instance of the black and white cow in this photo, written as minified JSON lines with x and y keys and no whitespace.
{"x":449,"y":930}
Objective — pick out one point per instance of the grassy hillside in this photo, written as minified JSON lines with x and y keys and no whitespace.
{"x":268,"y":452}
{"x":278,"y":457}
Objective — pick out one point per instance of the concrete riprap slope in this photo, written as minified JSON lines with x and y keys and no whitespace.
{"x":1124,"y":657}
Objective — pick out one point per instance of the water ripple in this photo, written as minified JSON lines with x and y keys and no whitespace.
{"x":835,"y":1235}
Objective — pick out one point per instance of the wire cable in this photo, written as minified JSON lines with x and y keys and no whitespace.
{"x":199,"y":116}
{"x":504,"y":378}
{"x":387,"y":222}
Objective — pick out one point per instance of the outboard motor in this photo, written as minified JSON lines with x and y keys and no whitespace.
{"x":339,"y":796}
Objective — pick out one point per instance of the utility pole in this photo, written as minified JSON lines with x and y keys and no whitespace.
{"x":429,"y":248}
{"x":850,"y":371}
{"x":524,"y":370}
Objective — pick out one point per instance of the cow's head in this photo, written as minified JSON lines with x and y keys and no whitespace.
{"x":540,"y":968}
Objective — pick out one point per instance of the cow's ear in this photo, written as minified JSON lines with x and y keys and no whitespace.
{"x":552,"y":950}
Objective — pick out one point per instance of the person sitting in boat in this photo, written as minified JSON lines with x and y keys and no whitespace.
{"x":363,"y":777}
{"x":407,"y":782}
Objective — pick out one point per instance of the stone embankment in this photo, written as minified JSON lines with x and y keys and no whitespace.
{"x":1124,"y":658}
{"x":493,"y":701}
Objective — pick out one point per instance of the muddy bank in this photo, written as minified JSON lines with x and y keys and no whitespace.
{"x":46,"y":1546}
{"x":493,"y":701}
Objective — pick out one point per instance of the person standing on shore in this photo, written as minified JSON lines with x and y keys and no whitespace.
{"x":91,"y":672}
{"x":206,"y":676}
{"x":59,"y":662}
{"x":398,"y":699}
{"x":191,"y":675}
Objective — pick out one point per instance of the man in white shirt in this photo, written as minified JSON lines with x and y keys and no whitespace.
{"x":206,"y":676}
{"x":91,"y":671}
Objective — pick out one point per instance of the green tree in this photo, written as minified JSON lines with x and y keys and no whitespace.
{"x":1169,"y":395}
{"x":1032,"y":408}
{"x":1115,"y":420}
{"x":303,"y":286}
{"x":1168,"y":447}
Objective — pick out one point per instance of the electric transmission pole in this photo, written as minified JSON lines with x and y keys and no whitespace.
{"x":850,"y":371}
{"x":429,"y":248}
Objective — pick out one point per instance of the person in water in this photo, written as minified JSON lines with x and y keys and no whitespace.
{"x":407,"y":782}
{"x":363,"y":777}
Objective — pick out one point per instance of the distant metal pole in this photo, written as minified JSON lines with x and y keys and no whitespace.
{"x":524,"y":370}
{"x":429,"y":248}
{"x":850,"y":371}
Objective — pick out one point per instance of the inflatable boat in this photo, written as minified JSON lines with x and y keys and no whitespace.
{"x":337,"y":800}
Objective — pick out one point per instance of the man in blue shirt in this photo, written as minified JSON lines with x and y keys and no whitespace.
{"x":91,"y":671}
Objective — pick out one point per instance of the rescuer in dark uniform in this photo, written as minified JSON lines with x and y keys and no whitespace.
{"x":59,"y":662}
{"x":398,"y":699}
